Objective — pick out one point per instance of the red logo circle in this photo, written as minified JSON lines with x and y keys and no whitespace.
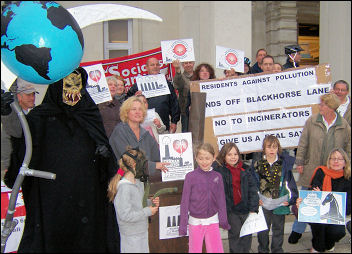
{"x":179,"y":49}
{"x":231,"y":58}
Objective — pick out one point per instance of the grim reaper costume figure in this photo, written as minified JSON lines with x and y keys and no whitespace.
{"x":68,"y":214}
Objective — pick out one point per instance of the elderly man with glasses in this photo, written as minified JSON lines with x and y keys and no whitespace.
{"x":341,"y":88}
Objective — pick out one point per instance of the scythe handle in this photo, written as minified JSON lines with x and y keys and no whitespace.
{"x":9,"y":224}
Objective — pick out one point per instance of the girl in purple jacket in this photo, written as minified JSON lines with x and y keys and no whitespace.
{"x":203,"y":205}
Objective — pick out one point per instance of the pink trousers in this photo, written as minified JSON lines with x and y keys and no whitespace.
{"x":211,"y":233}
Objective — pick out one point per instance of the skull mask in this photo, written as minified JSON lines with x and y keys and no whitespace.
{"x":71,"y":92}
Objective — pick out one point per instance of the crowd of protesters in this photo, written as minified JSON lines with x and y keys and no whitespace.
{"x":322,"y":160}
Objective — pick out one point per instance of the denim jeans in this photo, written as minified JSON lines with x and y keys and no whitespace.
{"x":299,"y":227}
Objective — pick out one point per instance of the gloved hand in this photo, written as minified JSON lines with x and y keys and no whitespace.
{"x":103,"y":151}
{"x":6,"y":100}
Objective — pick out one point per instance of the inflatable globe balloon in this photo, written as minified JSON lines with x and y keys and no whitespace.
{"x":41,"y":42}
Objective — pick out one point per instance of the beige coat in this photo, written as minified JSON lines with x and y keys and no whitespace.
{"x":347,"y":114}
{"x":310,"y":151}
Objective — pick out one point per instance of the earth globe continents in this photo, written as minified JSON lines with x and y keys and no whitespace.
{"x":41,"y":42}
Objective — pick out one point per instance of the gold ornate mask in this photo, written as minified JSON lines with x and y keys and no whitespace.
{"x":71,"y":92}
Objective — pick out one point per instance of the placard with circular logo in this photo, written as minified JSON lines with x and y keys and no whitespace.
{"x":177,"y":49}
{"x":227,"y":58}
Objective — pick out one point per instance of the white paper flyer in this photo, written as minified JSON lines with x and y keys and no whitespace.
{"x":254,"y":223}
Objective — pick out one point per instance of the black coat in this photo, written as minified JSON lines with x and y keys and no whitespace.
{"x":165,"y":105}
{"x":289,"y":64}
{"x":256,"y":69}
{"x":68,"y":214}
{"x":339,"y":184}
{"x":249,"y":192}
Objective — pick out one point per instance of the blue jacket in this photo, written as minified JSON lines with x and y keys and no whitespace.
{"x":256,"y":69}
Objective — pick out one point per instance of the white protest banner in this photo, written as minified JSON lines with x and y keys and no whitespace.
{"x":177,"y":150}
{"x":227,"y":58}
{"x":177,"y":49}
{"x":254,"y":140}
{"x":152,"y":85}
{"x":258,"y":121}
{"x":169,"y":221}
{"x":254,"y":223}
{"x":97,"y":86}
{"x":262,"y":93}
{"x":244,"y":109}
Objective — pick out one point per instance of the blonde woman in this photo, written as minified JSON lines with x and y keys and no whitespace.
{"x":130,"y":133}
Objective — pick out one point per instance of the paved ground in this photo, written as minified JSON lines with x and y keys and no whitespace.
{"x":304,"y":244}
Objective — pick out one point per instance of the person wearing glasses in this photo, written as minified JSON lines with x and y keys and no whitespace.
{"x":321,"y":133}
{"x":335,"y":176}
{"x":341,"y":88}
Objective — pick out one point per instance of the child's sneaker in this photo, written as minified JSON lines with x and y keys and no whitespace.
{"x":312,"y":250}
{"x":332,"y":249}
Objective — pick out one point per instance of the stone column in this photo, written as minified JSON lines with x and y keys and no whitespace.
{"x":281,"y":27}
{"x":335,"y":38}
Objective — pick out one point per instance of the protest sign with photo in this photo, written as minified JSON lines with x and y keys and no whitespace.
{"x":169,"y":221}
{"x":177,"y":50}
{"x":227,"y":58}
{"x":153,"y":85}
{"x":177,"y":150}
{"x":245,"y":109}
{"x":131,"y":66}
{"x":328,"y":207}
{"x":97,"y":86}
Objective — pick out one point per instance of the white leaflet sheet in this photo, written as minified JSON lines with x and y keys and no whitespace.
{"x":271,"y":204}
{"x":152,"y":85}
{"x":254,"y":223}
{"x":148,"y":121}
{"x":97,"y":86}
{"x":177,"y":50}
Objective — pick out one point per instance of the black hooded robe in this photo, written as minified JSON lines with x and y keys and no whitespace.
{"x":70,"y":213}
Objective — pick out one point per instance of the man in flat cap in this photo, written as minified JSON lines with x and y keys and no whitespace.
{"x":25,"y":95}
{"x":25,"y":92}
{"x":293,"y":56}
